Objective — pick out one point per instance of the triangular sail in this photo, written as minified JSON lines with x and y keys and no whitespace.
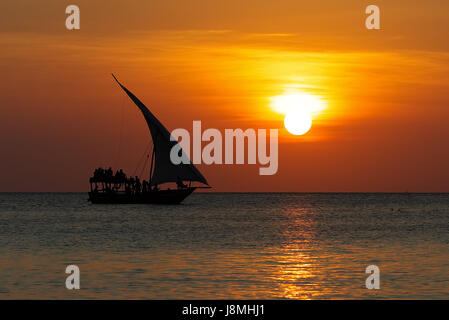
{"x":164,"y":169}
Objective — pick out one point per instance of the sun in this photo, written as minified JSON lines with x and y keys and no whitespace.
{"x":299,"y":109}
{"x":297,"y":122}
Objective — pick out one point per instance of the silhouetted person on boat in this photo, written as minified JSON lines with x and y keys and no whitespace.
{"x":131,"y":184}
{"x":138,"y":185}
{"x":122,"y":175}
{"x":109,"y":174}
{"x":127,"y":189}
{"x":98,"y":173}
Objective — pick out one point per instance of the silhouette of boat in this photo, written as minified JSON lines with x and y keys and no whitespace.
{"x":105,"y":187}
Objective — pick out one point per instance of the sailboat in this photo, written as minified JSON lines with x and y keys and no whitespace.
{"x":105,"y":187}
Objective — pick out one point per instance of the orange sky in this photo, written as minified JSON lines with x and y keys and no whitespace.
{"x":385,"y":127}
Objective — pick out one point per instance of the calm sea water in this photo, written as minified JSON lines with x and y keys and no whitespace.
{"x":300,"y":246}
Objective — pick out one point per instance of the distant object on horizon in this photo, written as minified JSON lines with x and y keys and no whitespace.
{"x":107,"y":187}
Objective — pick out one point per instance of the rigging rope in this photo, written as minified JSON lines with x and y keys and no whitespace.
{"x":122,"y":124}
{"x":145,"y":165}
{"x":142,"y":158}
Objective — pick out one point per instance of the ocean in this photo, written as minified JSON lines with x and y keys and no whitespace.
{"x":226,"y":246}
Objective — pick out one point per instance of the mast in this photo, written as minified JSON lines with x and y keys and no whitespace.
{"x":151,"y":164}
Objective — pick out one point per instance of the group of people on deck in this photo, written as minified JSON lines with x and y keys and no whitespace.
{"x":113,"y":182}
{"x":107,"y":175}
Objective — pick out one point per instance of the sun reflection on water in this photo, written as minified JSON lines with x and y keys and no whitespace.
{"x":296,"y":268}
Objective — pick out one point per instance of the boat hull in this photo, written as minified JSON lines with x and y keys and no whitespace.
{"x":175,"y":196}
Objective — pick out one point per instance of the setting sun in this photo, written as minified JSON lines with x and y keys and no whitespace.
{"x":299,"y":109}
{"x":297,"y":122}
